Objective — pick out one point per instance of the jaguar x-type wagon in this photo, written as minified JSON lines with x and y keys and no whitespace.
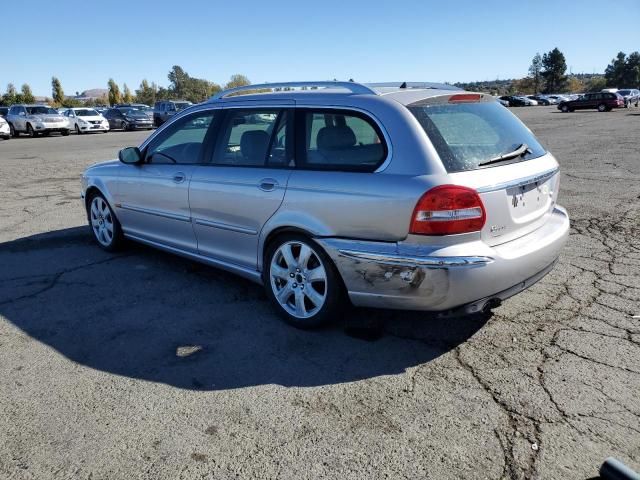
{"x":408,"y":197}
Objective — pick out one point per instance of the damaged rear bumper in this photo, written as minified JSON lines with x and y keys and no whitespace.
{"x":437,"y":278}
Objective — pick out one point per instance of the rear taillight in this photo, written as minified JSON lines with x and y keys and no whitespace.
{"x":447,"y":210}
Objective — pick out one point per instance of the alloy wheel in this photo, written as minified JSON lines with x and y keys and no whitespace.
{"x":102,"y":221}
{"x":298,"y":279}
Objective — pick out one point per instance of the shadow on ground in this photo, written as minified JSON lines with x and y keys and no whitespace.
{"x":148,"y":315}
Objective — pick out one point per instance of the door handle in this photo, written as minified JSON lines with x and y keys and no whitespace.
{"x":268,"y":184}
{"x":179,"y":177}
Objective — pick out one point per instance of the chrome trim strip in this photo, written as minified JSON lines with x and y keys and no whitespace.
{"x":224,"y":226}
{"x":432,"y":262}
{"x":520,"y":181}
{"x":157,"y":213}
{"x":245,"y":272}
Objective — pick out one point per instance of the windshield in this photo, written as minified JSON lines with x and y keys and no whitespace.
{"x":468,"y":134}
{"x":181,"y":105}
{"x":41,"y":110}
{"x":131,"y":111}
{"x":87,"y":112}
{"x":624,"y":92}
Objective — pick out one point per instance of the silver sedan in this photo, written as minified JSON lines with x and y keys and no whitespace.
{"x":404,"y":196}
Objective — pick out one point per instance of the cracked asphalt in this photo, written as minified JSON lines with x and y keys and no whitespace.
{"x":148,"y":366}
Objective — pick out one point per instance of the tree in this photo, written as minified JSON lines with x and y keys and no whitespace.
{"x":9,"y":98}
{"x":147,"y":93}
{"x":632,"y":71}
{"x":56,"y":91}
{"x":27,"y":95}
{"x":237,"y":80}
{"x":524,"y":86}
{"x":127,"y":97}
{"x":535,"y":72}
{"x":189,"y":88}
{"x":614,"y":73}
{"x":575,"y":85}
{"x":554,"y":68}
{"x":596,"y":84}
{"x":114,"y":93}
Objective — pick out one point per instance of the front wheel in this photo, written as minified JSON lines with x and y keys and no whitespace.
{"x":565,"y":108}
{"x":78,"y":132}
{"x":30,"y":131}
{"x":302,"y":281}
{"x":12,"y":131}
{"x":125,"y":126}
{"x":65,"y":133}
{"x":602,"y":107}
{"x":104,"y":224}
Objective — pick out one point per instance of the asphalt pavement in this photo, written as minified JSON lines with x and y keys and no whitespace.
{"x":142,"y":365}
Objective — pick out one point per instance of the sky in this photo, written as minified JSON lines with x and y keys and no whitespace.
{"x":85,"y":43}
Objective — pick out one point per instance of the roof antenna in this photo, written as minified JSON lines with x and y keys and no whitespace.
{"x":404,"y":85}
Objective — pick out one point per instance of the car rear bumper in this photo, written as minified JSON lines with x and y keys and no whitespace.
{"x":385,"y":275}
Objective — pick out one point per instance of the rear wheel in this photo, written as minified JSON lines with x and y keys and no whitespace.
{"x":302,"y":281}
{"x":65,"y":133}
{"x":104,"y":224}
{"x":602,"y":107}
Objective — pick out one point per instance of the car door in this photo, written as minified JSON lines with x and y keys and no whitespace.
{"x":243,"y":185}
{"x":153,"y":198}
{"x":20,"y":120}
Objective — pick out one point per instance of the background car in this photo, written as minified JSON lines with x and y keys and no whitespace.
{"x":5,"y":131}
{"x":541,"y":99}
{"x":516,"y":101}
{"x":631,"y":96}
{"x":139,"y":106}
{"x":4,"y":111}
{"x":35,"y":120}
{"x":84,"y":120}
{"x":603,"y":102}
{"x":166,"y":109}
{"x":127,"y":118}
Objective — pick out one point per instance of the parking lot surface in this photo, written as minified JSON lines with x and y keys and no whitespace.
{"x":144,"y":365}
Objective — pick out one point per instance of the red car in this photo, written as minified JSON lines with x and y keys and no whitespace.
{"x":602,"y":101}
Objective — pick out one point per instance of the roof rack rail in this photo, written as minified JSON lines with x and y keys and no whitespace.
{"x":353,"y":87}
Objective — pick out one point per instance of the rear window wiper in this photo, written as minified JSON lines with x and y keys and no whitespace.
{"x":521,"y":151}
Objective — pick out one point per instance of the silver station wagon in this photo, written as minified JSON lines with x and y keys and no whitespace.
{"x":395,"y":196}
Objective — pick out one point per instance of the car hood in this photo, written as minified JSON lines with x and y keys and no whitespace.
{"x":140,"y":115}
{"x":46,"y":116}
{"x":92,"y":118}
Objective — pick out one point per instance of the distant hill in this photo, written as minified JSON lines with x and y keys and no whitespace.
{"x":94,"y":93}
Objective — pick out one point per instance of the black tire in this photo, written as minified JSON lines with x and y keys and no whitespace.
{"x":117,"y":239}
{"x":602,"y":107}
{"x":46,"y":134}
{"x":125,"y":126}
{"x":565,"y":108}
{"x":30,"y":131}
{"x":13,"y":132}
{"x":333,"y":290}
{"x":78,"y":132}
{"x":65,"y":133}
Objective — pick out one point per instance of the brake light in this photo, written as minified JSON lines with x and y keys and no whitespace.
{"x":465,"y":97}
{"x":448,"y":210}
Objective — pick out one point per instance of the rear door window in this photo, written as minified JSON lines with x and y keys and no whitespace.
{"x":252,"y":138}
{"x":339,"y":140}
{"x":467,"y":135}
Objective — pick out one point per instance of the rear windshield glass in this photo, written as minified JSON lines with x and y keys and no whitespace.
{"x":466,"y":135}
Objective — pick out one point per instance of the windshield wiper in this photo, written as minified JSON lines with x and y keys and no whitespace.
{"x":521,"y":151}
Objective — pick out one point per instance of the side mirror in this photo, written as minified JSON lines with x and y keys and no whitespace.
{"x":130,"y":155}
